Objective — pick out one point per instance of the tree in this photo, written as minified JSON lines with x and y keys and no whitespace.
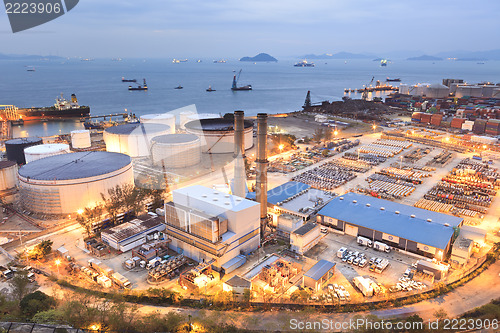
{"x":20,"y":285}
{"x":41,"y":250}
{"x":440,"y":314}
{"x":318,"y":134}
{"x":36,"y":302}
{"x":328,"y":134}
{"x":89,"y":217}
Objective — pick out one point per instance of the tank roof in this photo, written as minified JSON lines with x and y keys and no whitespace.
{"x":157,"y":116}
{"x":74,"y":165}
{"x":138,"y":128}
{"x":6,"y":164}
{"x":215,"y":124}
{"x":21,"y":141}
{"x":175,"y":138}
{"x":46,"y":148}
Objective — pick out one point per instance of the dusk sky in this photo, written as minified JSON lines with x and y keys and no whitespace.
{"x":228,"y":28}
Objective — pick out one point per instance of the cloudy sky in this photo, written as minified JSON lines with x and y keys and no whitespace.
{"x":233,"y":28}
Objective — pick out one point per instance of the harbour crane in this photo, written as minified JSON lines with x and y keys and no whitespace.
{"x":364,"y":95}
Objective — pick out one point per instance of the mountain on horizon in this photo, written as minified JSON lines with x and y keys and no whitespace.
{"x":4,"y":56}
{"x":425,"y":57}
{"x":471,"y":55}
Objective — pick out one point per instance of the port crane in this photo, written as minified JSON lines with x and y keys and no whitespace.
{"x":235,"y":87}
{"x":364,"y":95}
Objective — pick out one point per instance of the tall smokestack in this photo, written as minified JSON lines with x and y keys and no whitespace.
{"x":261,"y":161}
{"x":239,"y":154}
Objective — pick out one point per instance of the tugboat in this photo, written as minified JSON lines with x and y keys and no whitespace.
{"x":179,"y":87}
{"x":128,"y":80}
{"x":139,"y":87}
{"x":304,"y":63}
{"x":210,"y":89}
{"x":235,"y":87}
{"x":383,"y":62}
{"x":30,"y":69}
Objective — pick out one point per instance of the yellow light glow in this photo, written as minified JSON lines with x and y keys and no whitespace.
{"x":374,"y":127}
{"x":80,"y":211}
{"x":336,"y":133}
{"x":484,"y":146}
{"x":281,"y":146}
{"x":447,"y":139}
{"x":57,"y":262}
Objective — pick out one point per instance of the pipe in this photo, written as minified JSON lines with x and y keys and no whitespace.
{"x":239,"y":186}
{"x":261,"y":161}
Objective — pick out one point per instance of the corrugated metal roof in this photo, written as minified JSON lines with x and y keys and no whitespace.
{"x":319,"y":269}
{"x":285,"y":191}
{"x":74,"y":165}
{"x":237,"y":281}
{"x":400,"y":224}
{"x":305,"y":229}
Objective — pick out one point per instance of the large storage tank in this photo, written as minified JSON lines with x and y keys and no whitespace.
{"x":8,"y":175}
{"x":473,"y":91}
{"x":133,"y":139}
{"x":80,"y":139}
{"x":487,"y":90}
{"x":15,"y":148}
{"x":217,"y":134}
{"x":437,"y":91}
{"x":188,"y":116}
{"x":63,"y":184}
{"x":160,"y":118}
{"x":176,"y":150}
{"x":40,"y":151}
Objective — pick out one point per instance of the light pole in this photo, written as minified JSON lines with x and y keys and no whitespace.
{"x":58,"y":262}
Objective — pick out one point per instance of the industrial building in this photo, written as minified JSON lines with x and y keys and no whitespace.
{"x":129,"y":235}
{"x":133,"y":139}
{"x":64,"y":184}
{"x":275,"y":275}
{"x":403,"y":227}
{"x":37,"y":152}
{"x":305,"y":238}
{"x":212,"y":227}
{"x":318,"y":275}
{"x":176,"y":150}
{"x":236,"y":285}
{"x":218,"y":135}
{"x":461,"y":250}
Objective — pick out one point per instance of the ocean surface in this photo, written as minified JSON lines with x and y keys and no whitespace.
{"x":277,"y":87}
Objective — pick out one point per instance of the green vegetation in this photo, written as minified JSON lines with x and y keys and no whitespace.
{"x":41,"y":250}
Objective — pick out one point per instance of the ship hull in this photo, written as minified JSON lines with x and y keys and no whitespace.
{"x":53,"y":113}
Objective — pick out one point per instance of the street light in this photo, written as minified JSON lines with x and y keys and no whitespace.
{"x":281,"y":147}
{"x":58,"y":262}
{"x":79,"y":211}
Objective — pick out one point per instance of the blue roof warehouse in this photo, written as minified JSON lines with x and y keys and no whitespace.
{"x":401,"y":226}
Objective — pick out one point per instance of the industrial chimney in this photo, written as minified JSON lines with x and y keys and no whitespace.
{"x":239,"y":154}
{"x":261,"y":161}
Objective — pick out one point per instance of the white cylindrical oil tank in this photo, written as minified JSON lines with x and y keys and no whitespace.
{"x":495,"y":93}
{"x":160,"y":118}
{"x":8,"y":175}
{"x":437,"y":91}
{"x":34,"y":153}
{"x":217,"y":134}
{"x":64,"y":184}
{"x":404,"y":89}
{"x":487,"y":90}
{"x":80,"y":139}
{"x":472,"y":91}
{"x":176,"y":150}
{"x":190,"y":116}
{"x":133,"y":139}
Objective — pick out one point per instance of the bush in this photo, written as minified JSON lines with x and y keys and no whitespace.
{"x":36,"y":302}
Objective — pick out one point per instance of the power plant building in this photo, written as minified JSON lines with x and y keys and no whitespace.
{"x":404,"y":227}
{"x":212,"y":227}
{"x":64,"y":184}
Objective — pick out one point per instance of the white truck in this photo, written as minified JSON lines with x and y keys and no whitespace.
{"x":365,"y":241}
{"x":340,"y":252}
{"x":382,"y":247}
{"x":153,"y":263}
{"x":104,"y":281}
{"x":382,"y":266}
{"x":364,"y":285}
{"x":100,"y":267}
{"x":121,"y":280}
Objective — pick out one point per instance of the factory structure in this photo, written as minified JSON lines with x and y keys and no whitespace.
{"x":457,"y":88}
{"x":406,"y":228}
{"x":66,"y":183}
{"x":212,"y":227}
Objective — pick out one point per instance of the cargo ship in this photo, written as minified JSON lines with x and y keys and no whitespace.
{"x":304,"y":63}
{"x":61,"y":109}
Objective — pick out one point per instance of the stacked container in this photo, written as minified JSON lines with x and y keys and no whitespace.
{"x":479,"y":126}
{"x":457,"y":122}
{"x":493,"y":127}
{"x":436,"y":119}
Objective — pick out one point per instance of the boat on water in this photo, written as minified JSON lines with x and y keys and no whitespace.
{"x":177,"y":61}
{"x":209,"y":89}
{"x":383,"y":62}
{"x":235,"y":87}
{"x":30,"y":69}
{"x":139,"y":87}
{"x":304,"y":63}
{"x":62,"y":108}
{"x":128,"y":80}
{"x":392,"y":80}
{"x":222,"y":61}
{"x":179,"y":87}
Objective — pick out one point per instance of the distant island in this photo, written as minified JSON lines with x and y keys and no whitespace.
{"x":426,"y":58}
{"x":261,"y":57}
{"x":339,"y":55}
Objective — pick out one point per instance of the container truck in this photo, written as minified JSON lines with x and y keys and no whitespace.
{"x":121,"y":280}
{"x":100,"y":267}
{"x":382,"y":247}
{"x":364,"y":285}
{"x":365,"y":241}
{"x":104,"y":281}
